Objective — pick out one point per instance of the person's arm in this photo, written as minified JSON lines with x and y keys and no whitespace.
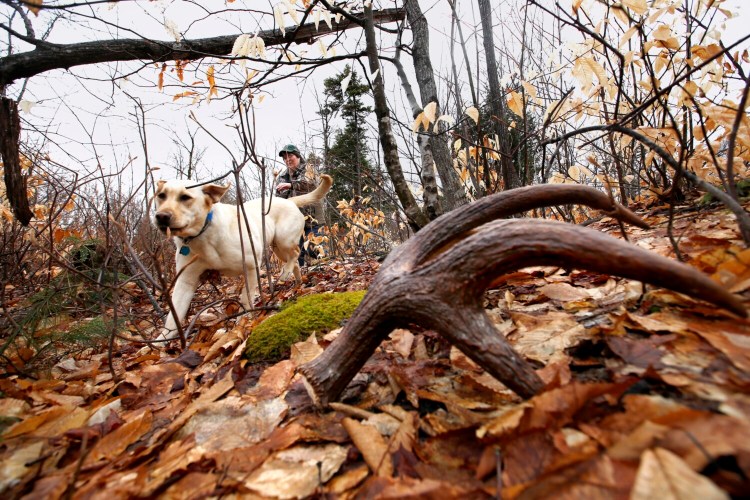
{"x":303,"y":185}
{"x":283,"y":186}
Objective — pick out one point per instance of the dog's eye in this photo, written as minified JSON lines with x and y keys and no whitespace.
{"x":186,"y":197}
{"x":161,"y":196}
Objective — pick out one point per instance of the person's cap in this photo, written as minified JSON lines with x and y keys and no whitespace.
{"x":290,"y":148}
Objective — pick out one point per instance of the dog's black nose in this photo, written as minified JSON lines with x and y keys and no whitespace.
{"x":163,"y":219}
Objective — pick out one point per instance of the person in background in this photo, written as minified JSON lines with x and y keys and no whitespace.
{"x":294,"y":182}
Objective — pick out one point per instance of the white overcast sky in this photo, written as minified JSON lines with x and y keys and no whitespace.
{"x":73,"y":109}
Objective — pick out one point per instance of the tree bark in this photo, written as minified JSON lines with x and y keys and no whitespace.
{"x":48,"y":56}
{"x":15,"y":183}
{"x":417,"y":219}
{"x":497,"y":108}
{"x":453,"y":190}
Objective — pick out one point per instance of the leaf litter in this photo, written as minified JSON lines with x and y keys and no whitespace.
{"x":646,"y":395}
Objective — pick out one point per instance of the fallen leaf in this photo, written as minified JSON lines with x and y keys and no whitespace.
{"x":16,"y":464}
{"x":664,"y":475}
{"x":297,"y":472}
{"x":372,"y":446}
{"x":249,"y":421}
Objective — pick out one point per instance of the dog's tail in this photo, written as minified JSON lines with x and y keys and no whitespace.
{"x":314,"y":196}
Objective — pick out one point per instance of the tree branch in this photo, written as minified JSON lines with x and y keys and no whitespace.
{"x":54,"y":56}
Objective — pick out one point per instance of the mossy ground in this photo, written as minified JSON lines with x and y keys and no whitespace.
{"x":272,"y":339}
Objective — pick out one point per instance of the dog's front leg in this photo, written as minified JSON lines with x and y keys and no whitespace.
{"x":184,"y":289}
{"x":248,"y":292}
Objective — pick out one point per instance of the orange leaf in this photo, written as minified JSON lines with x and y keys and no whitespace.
{"x":34,"y":6}
{"x":118,"y":440}
{"x":161,"y":76}
{"x":184,"y":94}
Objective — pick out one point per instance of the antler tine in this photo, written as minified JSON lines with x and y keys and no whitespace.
{"x":450,"y":226}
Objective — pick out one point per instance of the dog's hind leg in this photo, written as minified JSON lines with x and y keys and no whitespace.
{"x":290,"y":266}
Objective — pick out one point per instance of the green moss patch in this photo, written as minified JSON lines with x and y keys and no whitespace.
{"x":273,"y":339}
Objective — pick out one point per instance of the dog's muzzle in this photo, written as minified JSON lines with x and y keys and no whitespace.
{"x":163,"y":220}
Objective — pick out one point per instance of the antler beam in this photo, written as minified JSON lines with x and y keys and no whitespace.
{"x":437,"y":280}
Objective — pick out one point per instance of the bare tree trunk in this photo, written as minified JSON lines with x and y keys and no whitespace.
{"x":15,"y":183}
{"x":455,"y":196}
{"x":417,"y":219}
{"x":510,"y":176}
{"x":429,"y":181}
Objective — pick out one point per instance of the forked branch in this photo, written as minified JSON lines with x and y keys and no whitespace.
{"x":437,"y":279}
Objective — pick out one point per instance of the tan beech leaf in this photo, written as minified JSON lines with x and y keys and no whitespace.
{"x":402,"y":340}
{"x":515,"y":103}
{"x":406,"y":435}
{"x":279,"y":18}
{"x":347,"y":480}
{"x":292,"y":11}
{"x":430,"y":111}
{"x":564,"y":292}
{"x":177,"y":455}
{"x":662,"y":33}
{"x":316,"y":17}
{"x":420,"y":123}
{"x":637,"y":6}
{"x":473,"y":113}
{"x":546,"y":337}
{"x":505,"y":423}
{"x":576,"y":5}
{"x":627,"y":35}
{"x":664,"y":475}
{"x":15,"y":466}
{"x":386,"y":424}
{"x":448,"y":119}
{"x":250,"y":423}
{"x":327,"y":18}
{"x":372,"y":446}
{"x":302,"y":352}
{"x":297,"y":472}
{"x":11,"y":407}
{"x":239,"y":43}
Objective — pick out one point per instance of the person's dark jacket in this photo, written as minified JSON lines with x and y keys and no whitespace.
{"x":301,"y":184}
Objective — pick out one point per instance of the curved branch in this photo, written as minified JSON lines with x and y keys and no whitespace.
{"x":48,"y":56}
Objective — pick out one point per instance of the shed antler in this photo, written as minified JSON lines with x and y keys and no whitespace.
{"x":437,"y":279}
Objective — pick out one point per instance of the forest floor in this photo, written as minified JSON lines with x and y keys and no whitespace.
{"x":647,"y":395}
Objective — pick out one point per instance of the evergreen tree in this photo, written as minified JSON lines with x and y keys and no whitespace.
{"x":348,"y":158}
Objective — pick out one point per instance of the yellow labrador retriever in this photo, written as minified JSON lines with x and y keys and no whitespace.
{"x":207,"y":236}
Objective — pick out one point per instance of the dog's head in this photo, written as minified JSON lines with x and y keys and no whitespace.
{"x":182,"y":209}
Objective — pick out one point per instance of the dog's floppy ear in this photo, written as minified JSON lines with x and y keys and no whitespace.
{"x":160,"y":185}
{"x":214,"y":191}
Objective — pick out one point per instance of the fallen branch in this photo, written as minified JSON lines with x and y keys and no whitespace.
{"x":437,"y":280}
